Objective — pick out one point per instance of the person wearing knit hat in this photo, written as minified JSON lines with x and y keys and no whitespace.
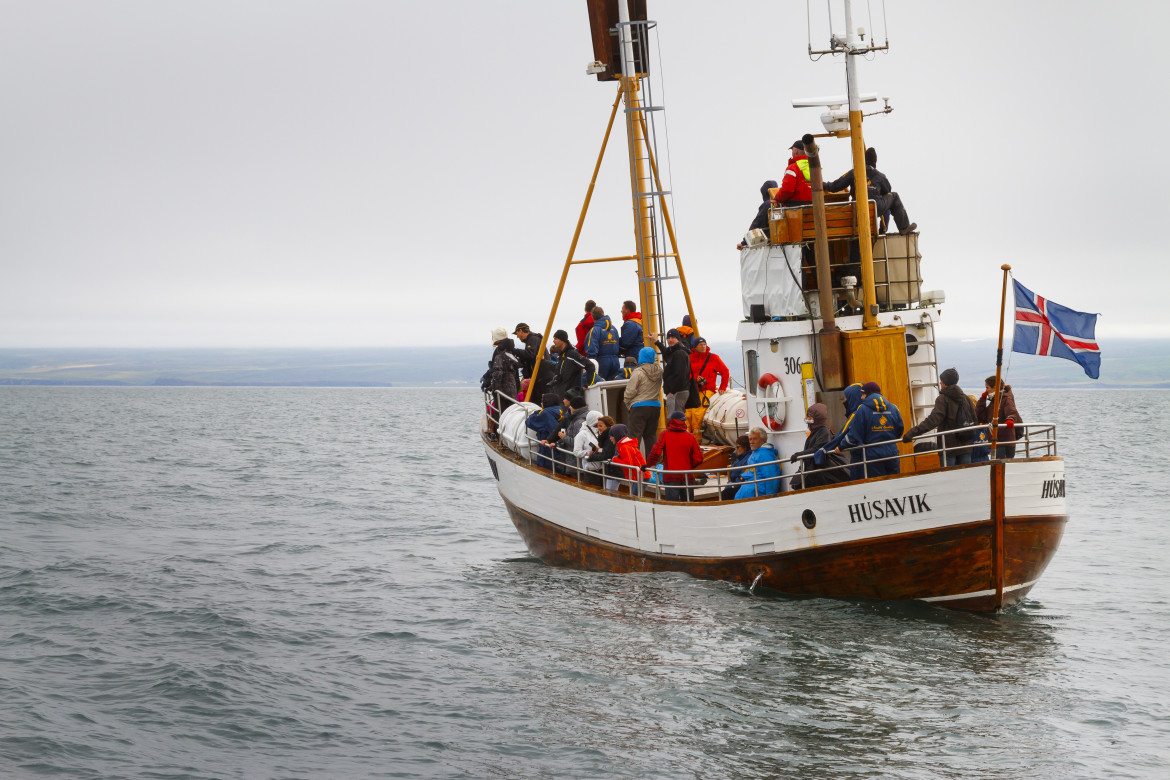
{"x":686,"y":332}
{"x":572,"y":369}
{"x":544,"y":425}
{"x":678,"y":451}
{"x":952,"y":409}
{"x":676,"y":371}
{"x":711,"y":377}
{"x":498,"y":335}
{"x":871,"y":388}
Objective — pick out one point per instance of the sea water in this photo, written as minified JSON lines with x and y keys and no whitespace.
{"x":313,"y":583}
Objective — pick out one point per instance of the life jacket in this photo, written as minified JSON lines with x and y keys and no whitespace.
{"x":802,"y":163}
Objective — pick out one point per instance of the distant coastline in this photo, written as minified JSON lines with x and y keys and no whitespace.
{"x":1133,"y":363}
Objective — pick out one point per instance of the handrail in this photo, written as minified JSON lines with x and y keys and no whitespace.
{"x":1036,"y":439}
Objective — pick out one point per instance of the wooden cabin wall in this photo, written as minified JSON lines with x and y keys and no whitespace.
{"x":880,"y":356}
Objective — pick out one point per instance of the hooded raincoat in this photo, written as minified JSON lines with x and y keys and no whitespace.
{"x":875,"y":421}
{"x":603,"y":345}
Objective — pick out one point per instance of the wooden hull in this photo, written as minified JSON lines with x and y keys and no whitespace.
{"x":951,"y":566}
{"x":948,"y":556}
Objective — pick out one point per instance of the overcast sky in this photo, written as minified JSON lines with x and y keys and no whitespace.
{"x":341,"y":173}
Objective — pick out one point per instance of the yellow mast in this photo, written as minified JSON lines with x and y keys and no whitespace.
{"x":860,"y":182}
{"x":572,"y":249}
{"x":644,"y":178}
{"x":640,"y":183}
{"x":682,"y":277}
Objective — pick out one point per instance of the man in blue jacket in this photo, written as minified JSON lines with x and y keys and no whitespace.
{"x":544,"y":425}
{"x":875,"y":421}
{"x":631,"y":339}
{"x":603,"y":345}
{"x":768,"y":475}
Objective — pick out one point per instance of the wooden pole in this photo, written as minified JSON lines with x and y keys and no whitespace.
{"x":821,"y":245}
{"x":999,"y":364}
{"x":997,"y":511}
{"x":572,"y":248}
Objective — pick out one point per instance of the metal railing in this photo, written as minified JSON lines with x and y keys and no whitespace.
{"x":707,"y":484}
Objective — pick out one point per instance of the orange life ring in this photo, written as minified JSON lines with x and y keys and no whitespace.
{"x":772,"y":411}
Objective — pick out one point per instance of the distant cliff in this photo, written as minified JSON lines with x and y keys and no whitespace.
{"x":1131,"y":363}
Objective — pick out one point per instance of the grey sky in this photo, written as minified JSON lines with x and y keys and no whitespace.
{"x":376,"y":173}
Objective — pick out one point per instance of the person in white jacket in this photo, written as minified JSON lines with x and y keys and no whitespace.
{"x":583,"y":445}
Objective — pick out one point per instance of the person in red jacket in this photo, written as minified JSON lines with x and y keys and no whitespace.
{"x":795,"y":189}
{"x":678,"y":451}
{"x":585,"y":325}
{"x":627,"y":457}
{"x":706,"y":368}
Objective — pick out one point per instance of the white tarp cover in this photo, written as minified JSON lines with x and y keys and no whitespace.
{"x":512,"y":428}
{"x":768,"y":274}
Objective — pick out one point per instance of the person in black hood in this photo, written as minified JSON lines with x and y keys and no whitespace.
{"x":676,"y":371}
{"x":878,"y":186}
{"x":761,"y":220}
{"x":952,"y":409}
{"x":819,"y":433}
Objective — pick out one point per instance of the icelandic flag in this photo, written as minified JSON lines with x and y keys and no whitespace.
{"x":1044,"y":327}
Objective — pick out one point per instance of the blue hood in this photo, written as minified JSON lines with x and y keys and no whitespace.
{"x":852,"y":398}
{"x":646,"y":355}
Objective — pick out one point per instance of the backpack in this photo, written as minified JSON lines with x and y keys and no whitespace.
{"x":695,"y":400}
{"x":964,"y":419}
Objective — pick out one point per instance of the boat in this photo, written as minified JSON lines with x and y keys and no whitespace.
{"x":828,"y":301}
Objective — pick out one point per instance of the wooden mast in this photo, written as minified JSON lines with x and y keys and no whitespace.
{"x":999,"y":363}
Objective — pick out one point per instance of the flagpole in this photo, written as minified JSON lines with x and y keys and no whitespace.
{"x":999,"y":365}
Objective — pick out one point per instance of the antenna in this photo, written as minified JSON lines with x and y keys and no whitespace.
{"x":864,"y":40}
